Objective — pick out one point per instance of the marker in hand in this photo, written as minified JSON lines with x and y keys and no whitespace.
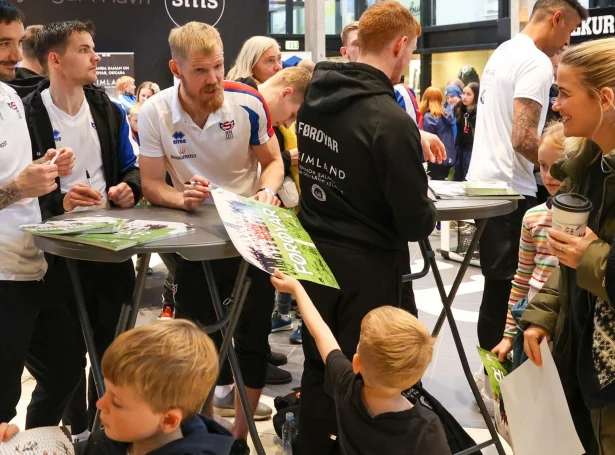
{"x":87,"y":176}
{"x":55,"y":157}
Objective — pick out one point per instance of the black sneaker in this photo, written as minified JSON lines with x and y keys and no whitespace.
{"x":240,"y":447}
{"x":277,"y":359}
{"x":277,"y":376}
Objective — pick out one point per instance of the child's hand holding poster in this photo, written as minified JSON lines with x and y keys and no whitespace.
{"x":270,"y":237}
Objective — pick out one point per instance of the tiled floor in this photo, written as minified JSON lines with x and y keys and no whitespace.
{"x":444,"y":378}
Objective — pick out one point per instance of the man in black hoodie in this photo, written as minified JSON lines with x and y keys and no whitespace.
{"x":364,"y":195}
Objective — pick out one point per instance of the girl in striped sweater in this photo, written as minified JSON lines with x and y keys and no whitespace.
{"x":535,"y":261}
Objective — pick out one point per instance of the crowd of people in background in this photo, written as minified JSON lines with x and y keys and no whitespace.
{"x":541,"y":115}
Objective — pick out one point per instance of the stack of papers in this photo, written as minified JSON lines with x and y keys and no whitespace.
{"x":110,"y":233}
{"x":471,"y":190}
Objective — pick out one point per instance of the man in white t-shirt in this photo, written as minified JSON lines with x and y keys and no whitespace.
{"x":206,"y":130}
{"x":68,"y":111}
{"x":512,"y":108}
{"x":35,"y":331}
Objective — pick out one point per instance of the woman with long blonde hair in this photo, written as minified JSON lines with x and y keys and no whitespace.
{"x":259,"y":58}
{"x":573,"y":308}
{"x":439,"y":121}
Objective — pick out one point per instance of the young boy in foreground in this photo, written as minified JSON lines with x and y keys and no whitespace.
{"x":157,"y":377}
{"x":394,"y":350}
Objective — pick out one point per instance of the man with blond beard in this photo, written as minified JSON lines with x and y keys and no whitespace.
{"x":206,"y":129}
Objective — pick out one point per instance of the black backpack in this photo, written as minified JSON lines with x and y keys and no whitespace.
{"x":457,"y":438}
{"x":288,"y":403}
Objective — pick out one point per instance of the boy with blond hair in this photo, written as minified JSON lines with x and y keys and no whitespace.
{"x":157,"y":377}
{"x":394,"y":350}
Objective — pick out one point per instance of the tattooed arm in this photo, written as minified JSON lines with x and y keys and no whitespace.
{"x":525,"y":138}
{"x":8,"y":194}
{"x":34,"y":181}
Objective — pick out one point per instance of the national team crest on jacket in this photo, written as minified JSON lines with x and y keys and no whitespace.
{"x":227,"y":127}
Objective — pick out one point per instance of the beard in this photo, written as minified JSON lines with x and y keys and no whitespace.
{"x":7,"y":74}
{"x":214,"y":103}
{"x":205,"y":101}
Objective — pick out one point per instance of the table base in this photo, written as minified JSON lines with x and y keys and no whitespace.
{"x":447,"y":314}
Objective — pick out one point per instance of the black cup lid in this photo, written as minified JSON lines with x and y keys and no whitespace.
{"x":572,"y":202}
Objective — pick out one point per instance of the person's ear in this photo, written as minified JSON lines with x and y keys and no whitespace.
{"x":399,"y":46}
{"x":53,"y":59}
{"x":344,"y":52}
{"x":174,"y":67}
{"x":558,"y":18}
{"x":607,"y":98}
{"x":171,"y":420}
{"x":288,"y":91}
{"x":356,"y":364}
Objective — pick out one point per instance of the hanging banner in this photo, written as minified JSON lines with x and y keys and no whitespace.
{"x":600,"y":24}
{"x":111,"y":67}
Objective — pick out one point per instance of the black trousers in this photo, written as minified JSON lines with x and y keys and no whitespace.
{"x":106,"y":286}
{"x":36,"y":332}
{"x":499,"y":259}
{"x":193,"y":301}
{"x":368,"y":280}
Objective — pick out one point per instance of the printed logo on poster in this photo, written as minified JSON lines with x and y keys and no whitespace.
{"x":227,"y":127}
{"x":183,"y":11}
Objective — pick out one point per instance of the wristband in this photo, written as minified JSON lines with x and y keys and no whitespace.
{"x":266,"y":190}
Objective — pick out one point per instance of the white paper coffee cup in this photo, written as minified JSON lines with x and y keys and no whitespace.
{"x":570,"y":213}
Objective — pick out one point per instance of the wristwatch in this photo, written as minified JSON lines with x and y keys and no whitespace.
{"x":266,"y":190}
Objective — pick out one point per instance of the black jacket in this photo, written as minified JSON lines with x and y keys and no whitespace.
{"x":362,"y":182}
{"x":202,"y":436}
{"x":25,"y":81}
{"x":119,"y":161}
{"x":465,"y":140}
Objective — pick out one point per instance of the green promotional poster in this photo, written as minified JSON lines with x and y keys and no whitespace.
{"x":270,"y":237}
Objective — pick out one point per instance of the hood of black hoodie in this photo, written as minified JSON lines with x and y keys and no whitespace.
{"x":201,"y":436}
{"x":25,"y":86}
{"x":334,"y":86}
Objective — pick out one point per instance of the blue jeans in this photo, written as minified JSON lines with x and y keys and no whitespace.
{"x":519,"y":355}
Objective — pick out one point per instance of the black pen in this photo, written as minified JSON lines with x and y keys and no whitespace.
{"x":87,"y":176}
